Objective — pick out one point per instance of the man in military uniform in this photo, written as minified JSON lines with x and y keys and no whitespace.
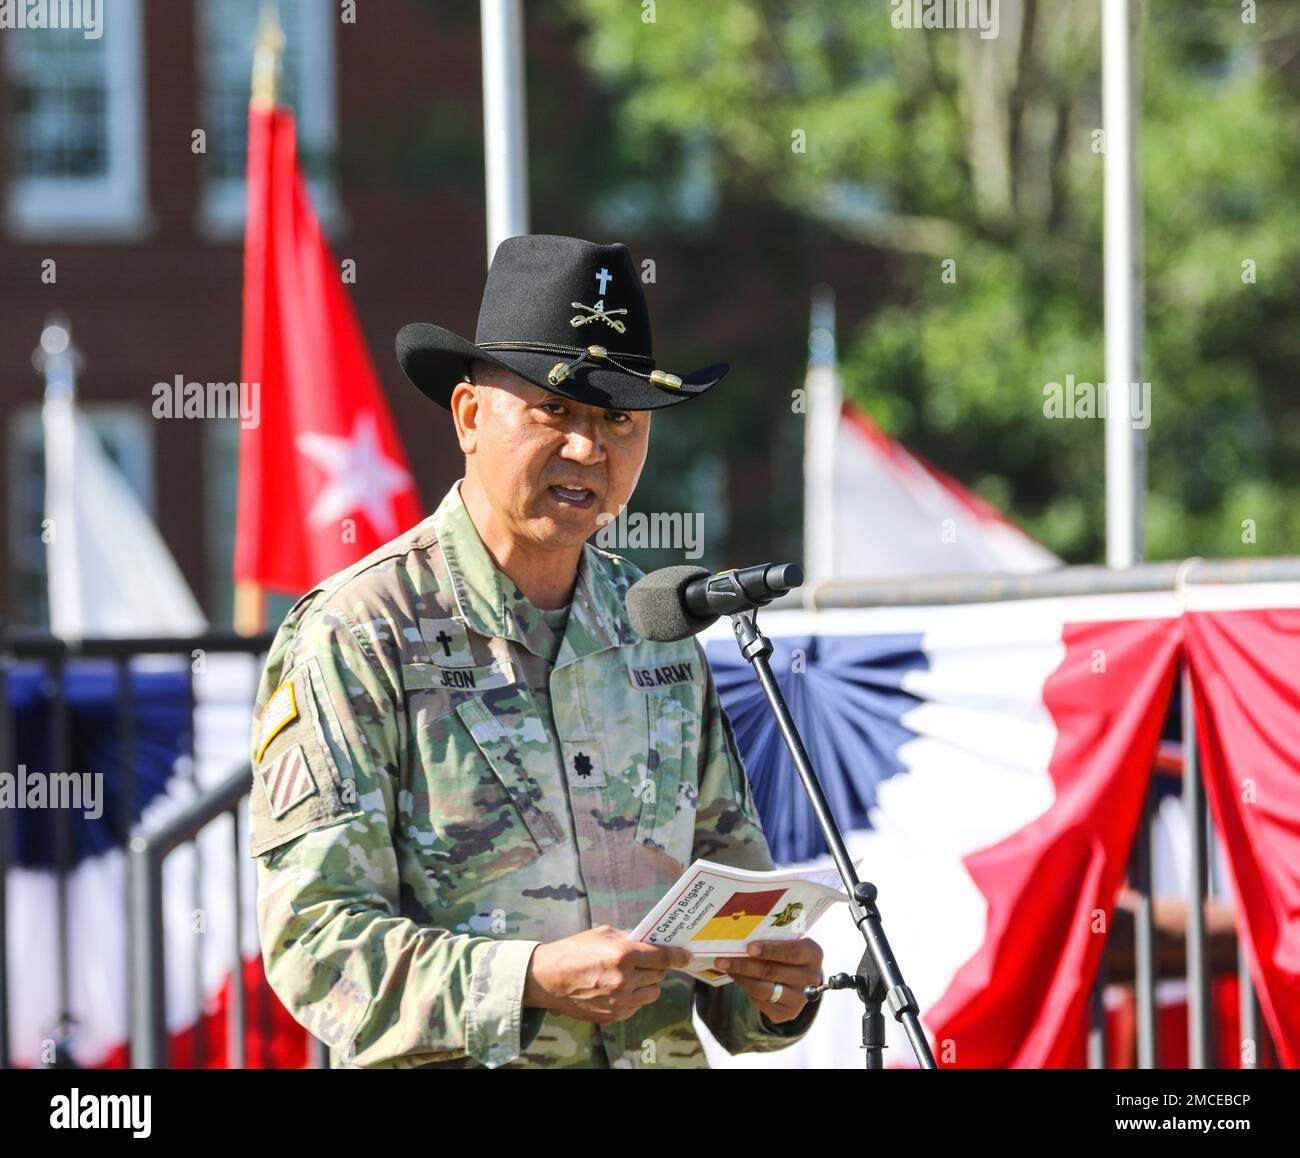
{"x":472,"y":776}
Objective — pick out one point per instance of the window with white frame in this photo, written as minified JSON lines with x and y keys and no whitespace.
{"x":227,"y":31}
{"x":76,"y":128}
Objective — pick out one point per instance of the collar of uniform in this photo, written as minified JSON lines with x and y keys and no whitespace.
{"x":490,"y":603}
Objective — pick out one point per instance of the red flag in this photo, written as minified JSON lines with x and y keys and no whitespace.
{"x":1248,"y":731}
{"x":323,"y":479}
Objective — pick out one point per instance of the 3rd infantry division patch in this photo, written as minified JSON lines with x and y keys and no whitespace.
{"x":287,"y":781}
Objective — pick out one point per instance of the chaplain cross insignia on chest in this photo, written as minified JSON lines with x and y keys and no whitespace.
{"x":447,"y":643}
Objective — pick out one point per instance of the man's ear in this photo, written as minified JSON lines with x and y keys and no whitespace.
{"x":465,"y":412}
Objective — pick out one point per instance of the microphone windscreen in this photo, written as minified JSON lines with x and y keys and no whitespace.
{"x":657,"y":608}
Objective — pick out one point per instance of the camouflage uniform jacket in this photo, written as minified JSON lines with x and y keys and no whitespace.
{"x":440,"y":784}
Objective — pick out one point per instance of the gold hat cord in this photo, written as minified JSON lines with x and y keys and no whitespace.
{"x":562,"y":370}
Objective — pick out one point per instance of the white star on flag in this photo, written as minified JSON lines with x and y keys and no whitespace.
{"x":359,"y":476}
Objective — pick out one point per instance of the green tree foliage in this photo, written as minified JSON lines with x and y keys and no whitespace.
{"x":982,"y":158}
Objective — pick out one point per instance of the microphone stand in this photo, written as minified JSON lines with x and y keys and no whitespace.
{"x":878,"y":980}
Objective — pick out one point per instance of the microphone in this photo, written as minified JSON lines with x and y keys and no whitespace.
{"x":677,"y":602}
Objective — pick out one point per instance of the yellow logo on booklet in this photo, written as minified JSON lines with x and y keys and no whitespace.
{"x":740,"y":916}
{"x":280,"y":710}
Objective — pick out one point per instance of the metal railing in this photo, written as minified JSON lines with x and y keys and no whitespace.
{"x":145,"y":847}
{"x":931,"y":590}
{"x":148,"y":973}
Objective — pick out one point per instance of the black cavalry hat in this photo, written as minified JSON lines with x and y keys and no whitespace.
{"x":568,"y":315}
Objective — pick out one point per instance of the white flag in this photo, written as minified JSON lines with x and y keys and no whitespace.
{"x":110,"y":574}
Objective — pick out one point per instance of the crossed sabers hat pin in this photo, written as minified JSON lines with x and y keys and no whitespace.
{"x":594,"y":312}
{"x":561,"y":370}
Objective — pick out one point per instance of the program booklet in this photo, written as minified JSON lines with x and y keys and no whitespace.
{"x":715,"y":910}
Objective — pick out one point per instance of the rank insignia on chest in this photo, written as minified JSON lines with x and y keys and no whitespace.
{"x":584,"y":764}
{"x":447,"y":642}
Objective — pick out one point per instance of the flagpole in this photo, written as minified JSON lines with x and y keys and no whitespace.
{"x":1122,"y":243}
{"x":57,"y":359}
{"x":1125,"y":444}
{"x":821,"y":423}
{"x":268,"y":49}
{"x":505,"y":136}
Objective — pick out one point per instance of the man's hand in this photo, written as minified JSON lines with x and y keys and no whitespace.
{"x":793,"y":964}
{"x":598,"y":975}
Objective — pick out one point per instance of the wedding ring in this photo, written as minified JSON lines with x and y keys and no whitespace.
{"x":777,"y":990}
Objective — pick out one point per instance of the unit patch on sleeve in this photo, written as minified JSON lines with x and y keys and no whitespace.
{"x":302,"y":748}
{"x":287,"y":781}
{"x":280,"y":710}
